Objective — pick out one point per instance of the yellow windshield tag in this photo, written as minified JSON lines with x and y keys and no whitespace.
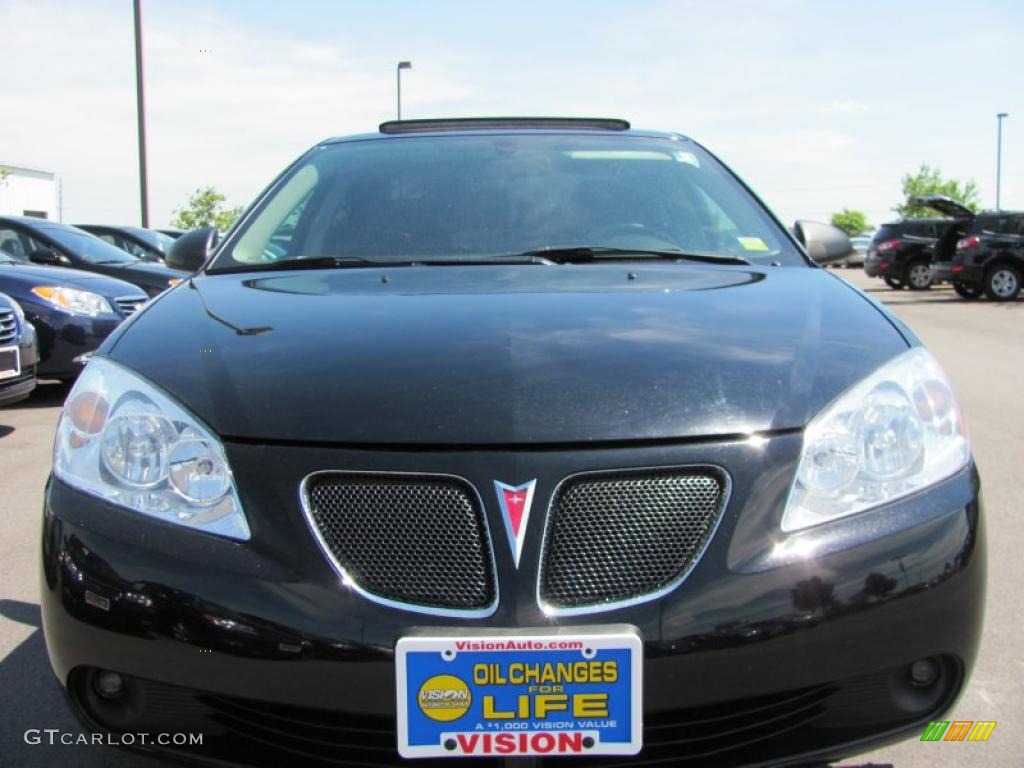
{"x":753,"y":243}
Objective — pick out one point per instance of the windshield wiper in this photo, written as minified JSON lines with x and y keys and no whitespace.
{"x":314,"y":262}
{"x":586,"y":254}
{"x":328,"y":262}
{"x":549,"y":256}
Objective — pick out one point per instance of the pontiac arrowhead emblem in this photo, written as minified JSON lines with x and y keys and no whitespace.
{"x":515,"y":502}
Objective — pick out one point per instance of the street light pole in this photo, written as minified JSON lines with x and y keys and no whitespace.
{"x":141,"y":114}
{"x":999,"y":154}
{"x":398,"y":72}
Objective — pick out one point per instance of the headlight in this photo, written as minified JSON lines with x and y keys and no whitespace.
{"x":123,"y":440}
{"x":74,"y":301}
{"x":894,"y":433}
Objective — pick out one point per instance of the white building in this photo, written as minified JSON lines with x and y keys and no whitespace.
{"x":28,"y":192}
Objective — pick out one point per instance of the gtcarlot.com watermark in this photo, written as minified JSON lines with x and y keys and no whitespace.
{"x":55,"y":736}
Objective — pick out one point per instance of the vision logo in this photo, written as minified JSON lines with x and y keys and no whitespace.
{"x":959,"y":730}
{"x":444,"y":698}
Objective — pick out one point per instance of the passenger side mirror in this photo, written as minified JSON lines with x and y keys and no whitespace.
{"x":190,"y":251}
{"x":48,"y":256}
{"x":823,"y":242}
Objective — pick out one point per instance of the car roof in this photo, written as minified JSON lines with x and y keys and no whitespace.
{"x":113,"y":227}
{"x":482,"y":126}
{"x":32,"y":221}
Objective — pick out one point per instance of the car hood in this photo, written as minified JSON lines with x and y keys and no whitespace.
{"x":508,"y":355}
{"x":27,"y":276}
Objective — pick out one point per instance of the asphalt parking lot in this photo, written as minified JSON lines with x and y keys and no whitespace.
{"x":981,"y":346}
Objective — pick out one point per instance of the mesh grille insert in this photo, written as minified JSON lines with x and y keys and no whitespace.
{"x":414,"y":539}
{"x":620,"y":536}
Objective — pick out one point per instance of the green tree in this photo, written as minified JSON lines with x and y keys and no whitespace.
{"x":851,"y":222}
{"x":205,"y":207}
{"x":929,"y":181}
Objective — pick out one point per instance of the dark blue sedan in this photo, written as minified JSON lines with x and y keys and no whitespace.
{"x":72,"y":311}
{"x":18,"y":351}
{"x":53,"y":244}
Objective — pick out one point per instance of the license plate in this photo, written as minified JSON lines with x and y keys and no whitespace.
{"x":10,"y":364}
{"x":510,"y":693}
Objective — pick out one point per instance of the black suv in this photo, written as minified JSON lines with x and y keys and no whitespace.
{"x":986,"y":255}
{"x":901,"y":252}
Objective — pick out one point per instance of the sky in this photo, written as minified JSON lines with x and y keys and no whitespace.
{"x":818,"y":105}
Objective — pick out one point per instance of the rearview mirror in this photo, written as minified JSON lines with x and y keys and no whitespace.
{"x":823,"y":242}
{"x":190,"y":251}
{"x":48,"y":256}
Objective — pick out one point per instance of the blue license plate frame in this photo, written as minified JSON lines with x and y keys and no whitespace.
{"x":507,"y":693}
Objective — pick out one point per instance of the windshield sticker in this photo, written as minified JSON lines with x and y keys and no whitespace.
{"x":753,"y":243}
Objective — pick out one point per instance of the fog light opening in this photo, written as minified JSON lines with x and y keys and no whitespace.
{"x":108,"y":685}
{"x":924,"y":673}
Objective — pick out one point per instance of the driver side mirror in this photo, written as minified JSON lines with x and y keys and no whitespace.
{"x":48,"y":256}
{"x":823,"y":242}
{"x":190,"y":251}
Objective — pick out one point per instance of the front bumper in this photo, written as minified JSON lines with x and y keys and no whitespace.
{"x":66,"y":341}
{"x":785,"y":649}
{"x":16,"y":389}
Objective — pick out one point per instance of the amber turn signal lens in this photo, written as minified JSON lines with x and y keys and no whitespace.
{"x":88,"y":412}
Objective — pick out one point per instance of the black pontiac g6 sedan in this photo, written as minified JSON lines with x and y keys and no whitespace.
{"x":502,"y":437}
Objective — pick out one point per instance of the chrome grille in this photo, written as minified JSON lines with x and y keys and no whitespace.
{"x":8,"y":326}
{"x":418,"y":540}
{"x":621,"y":537}
{"x":129,"y":304}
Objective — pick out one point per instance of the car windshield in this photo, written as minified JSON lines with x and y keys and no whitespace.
{"x":87,"y":247}
{"x":478,"y":197}
{"x":158,"y":241}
